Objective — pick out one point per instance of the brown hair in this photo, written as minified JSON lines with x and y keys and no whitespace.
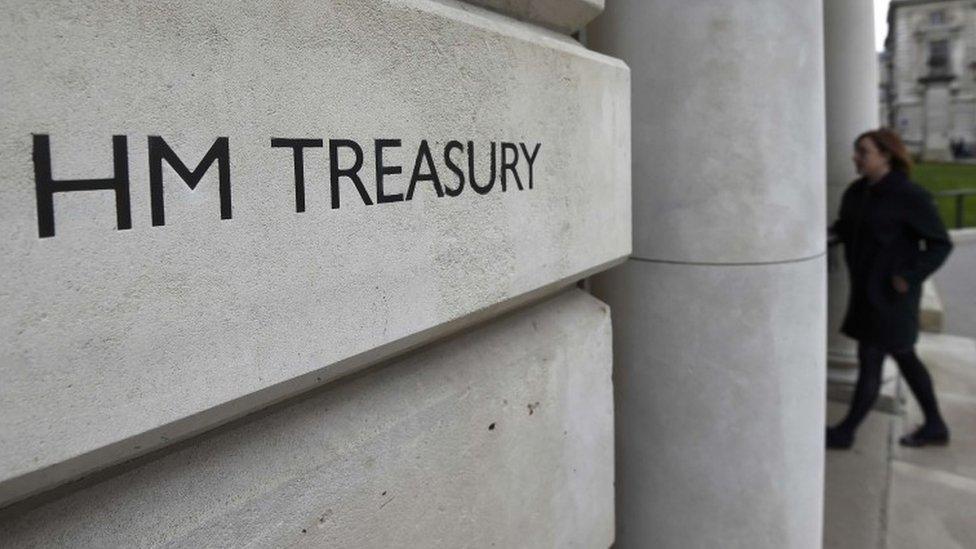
{"x":890,"y":145}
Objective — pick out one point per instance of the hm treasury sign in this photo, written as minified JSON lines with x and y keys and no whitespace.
{"x":207,"y":209}
{"x":424,"y":171}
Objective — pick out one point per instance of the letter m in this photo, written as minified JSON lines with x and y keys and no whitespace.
{"x":159,"y":150}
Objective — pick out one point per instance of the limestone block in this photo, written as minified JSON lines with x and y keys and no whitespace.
{"x":561,"y":15}
{"x":719,"y":403}
{"x":501,"y":437}
{"x":222,"y":299}
{"x":728,"y":131}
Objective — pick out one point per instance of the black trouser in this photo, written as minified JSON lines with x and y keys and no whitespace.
{"x":870,"y":360}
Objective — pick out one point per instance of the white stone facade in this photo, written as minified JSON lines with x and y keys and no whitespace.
{"x":489,"y":439}
{"x":175,"y":325}
{"x":931,"y":86}
{"x":300,"y":273}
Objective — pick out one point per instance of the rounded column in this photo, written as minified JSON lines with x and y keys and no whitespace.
{"x":851,"y":76}
{"x":720,"y":314}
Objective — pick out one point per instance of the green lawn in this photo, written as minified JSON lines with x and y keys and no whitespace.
{"x":936,"y":177}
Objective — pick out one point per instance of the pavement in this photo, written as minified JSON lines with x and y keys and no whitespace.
{"x":956,"y":281}
{"x":879,"y":494}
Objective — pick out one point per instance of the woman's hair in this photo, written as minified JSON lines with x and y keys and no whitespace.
{"x":890,"y":145}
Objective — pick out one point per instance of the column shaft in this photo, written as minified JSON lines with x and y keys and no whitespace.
{"x":719,"y":316}
{"x":851,"y":75}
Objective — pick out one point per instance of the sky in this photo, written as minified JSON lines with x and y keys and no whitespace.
{"x":880,"y":23}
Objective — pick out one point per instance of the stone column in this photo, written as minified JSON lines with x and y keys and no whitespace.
{"x":851,"y":75}
{"x":719,"y":315}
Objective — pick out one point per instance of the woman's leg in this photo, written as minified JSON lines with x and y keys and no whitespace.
{"x":920,"y":382}
{"x":869,"y":362}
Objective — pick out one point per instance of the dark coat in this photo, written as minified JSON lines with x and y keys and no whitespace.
{"x":888,"y":228}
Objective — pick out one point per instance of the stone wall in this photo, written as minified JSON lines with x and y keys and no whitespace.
{"x":278,"y":195}
{"x":499,"y":437}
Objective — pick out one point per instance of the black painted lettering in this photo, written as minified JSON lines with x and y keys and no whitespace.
{"x":297,"y":146}
{"x":530,"y":158}
{"x":423,"y":155}
{"x":454,"y":168}
{"x":159,"y":150}
{"x":381,"y":171}
{"x":510,"y":166}
{"x":45,"y":186}
{"x":474,"y":184}
{"x":335,"y":172}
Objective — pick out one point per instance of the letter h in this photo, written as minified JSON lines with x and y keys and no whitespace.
{"x":46,"y":186}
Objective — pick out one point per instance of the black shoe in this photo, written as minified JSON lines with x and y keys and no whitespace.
{"x":839,"y":439}
{"x":926,"y":435}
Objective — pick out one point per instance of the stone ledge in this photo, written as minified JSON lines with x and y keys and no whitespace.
{"x":963,"y":235}
{"x":562,"y":15}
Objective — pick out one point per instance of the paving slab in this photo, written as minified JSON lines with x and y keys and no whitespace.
{"x":952,"y":363}
{"x":880,"y":494}
{"x":930,"y":508}
{"x":856,"y":484}
{"x":959,"y":457}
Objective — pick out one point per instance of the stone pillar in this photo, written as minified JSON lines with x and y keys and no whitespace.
{"x":851,"y":75}
{"x":719,"y":315}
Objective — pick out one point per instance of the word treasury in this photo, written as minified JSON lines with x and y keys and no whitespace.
{"x":445,"y":171}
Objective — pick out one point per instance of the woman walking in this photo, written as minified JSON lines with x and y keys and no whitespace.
{"x":893,"y":240}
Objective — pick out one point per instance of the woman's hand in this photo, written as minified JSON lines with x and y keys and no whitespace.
{"x":900,"y":284}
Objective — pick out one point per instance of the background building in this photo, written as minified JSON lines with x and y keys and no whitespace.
{"x":930,"y":83}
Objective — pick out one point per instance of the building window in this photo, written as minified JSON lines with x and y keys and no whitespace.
{"x":939,"y":57}
{"x":937,"y":17}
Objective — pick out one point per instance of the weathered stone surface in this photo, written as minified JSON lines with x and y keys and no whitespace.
{"x":719,"y":316}
{"x":728,"y":126}
{"x":562,"y":15}
{"x":719,"y":403}
{"x":119,"y":341}
{"x":401,"y":456}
